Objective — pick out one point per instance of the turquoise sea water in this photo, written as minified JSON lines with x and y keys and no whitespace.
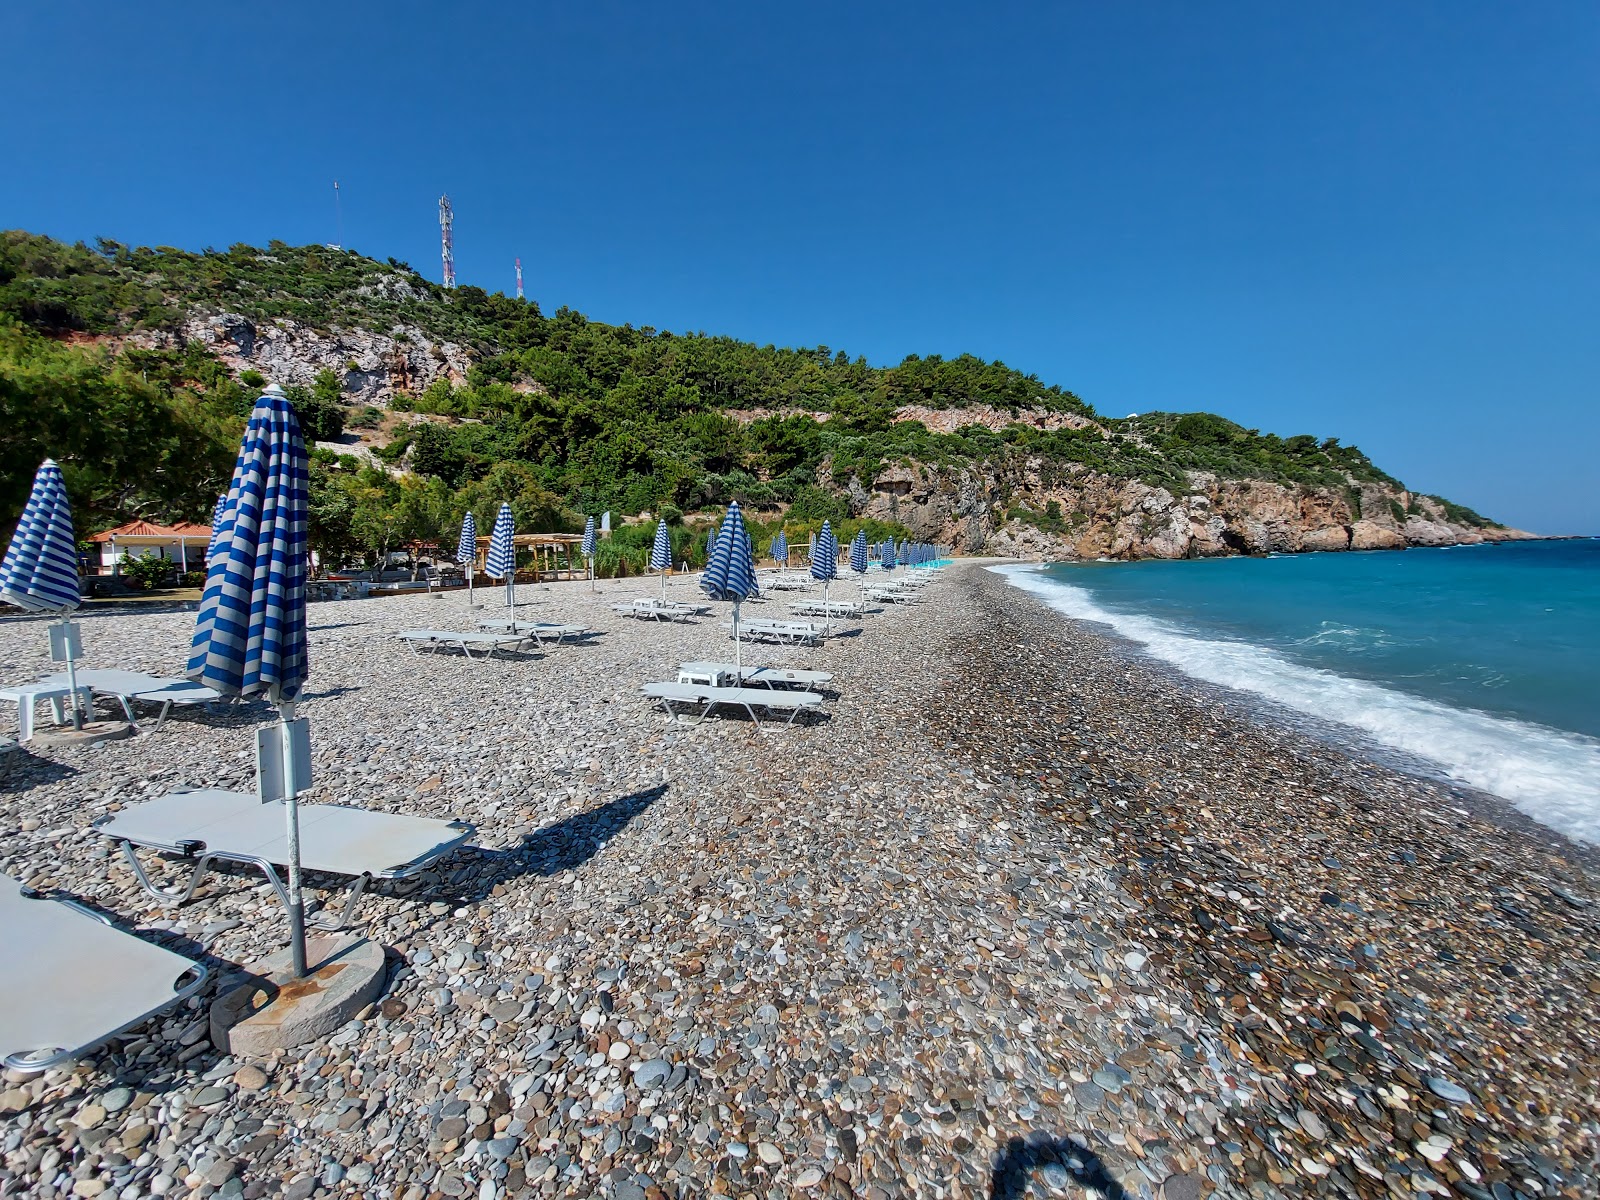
{"x":1482,"y":660}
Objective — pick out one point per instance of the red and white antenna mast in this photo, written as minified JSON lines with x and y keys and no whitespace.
{"x":447,"y":243}
{"x":519,"y":279}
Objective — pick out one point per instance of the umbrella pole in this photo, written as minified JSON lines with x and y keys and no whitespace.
{"x":72,"y":680}
{"x":469,"y":585}
{"x":297,"y":906}
{"x":738,"y":650}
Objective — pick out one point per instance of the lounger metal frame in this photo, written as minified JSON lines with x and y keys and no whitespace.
{"x":746,"y":702}
{"x":434,"y":639}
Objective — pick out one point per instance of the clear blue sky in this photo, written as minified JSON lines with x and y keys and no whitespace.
{"x":1377,"y":221}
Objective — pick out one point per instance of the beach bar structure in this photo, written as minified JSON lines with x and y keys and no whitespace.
{"x":183,"y":544}
{"x":555,"y":556}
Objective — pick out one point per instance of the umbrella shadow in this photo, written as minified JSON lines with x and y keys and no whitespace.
{"x":21,"y":771}
{"x":1025,"y":1159}
{"x":568,"y":843}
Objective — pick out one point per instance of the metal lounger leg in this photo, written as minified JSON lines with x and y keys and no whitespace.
{"x":178,"y":896}
{"x":127,"y":708}
{"x":166,"y":707}
{"x":352,"y":899}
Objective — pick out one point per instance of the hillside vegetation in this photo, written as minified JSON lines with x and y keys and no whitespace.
{"x":559,"y":414}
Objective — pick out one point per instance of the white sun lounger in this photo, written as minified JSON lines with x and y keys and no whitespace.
{"x":786,"y":633}
{"x":539,"y":631}
{"x":128,"y":686}
{"x":657,"y":610}
{"x":787,"y":583}
{"x":894,"y":595}
{"x":828,"y":608}
{"x":74,"y":980}
{"x":719,"y":674}
{"x":210,"y":825}
{"x":465,"y":640}
{"x":695,"y":695}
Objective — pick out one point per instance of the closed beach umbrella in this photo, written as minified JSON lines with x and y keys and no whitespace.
{"x":502,"y":559}
{"x":40,"y":570}
{"x":711,"y":543}
{"x":467,"y":549}
{"x":858,"y":559}
{"x":250,"y":634}
{"x":590,"y":540}
{"x":825,"y":558}
{"x":219,"y":518}
{"x":731,"y":573}
{"x":780,"y":549}
{"x":886,"y":555}
{"x":661,"y":555}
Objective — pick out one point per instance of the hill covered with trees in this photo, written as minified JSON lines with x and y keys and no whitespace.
{"x":561,"y":415}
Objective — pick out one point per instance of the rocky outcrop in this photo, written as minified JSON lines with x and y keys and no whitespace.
{"x":372,"y":367}
{"x":1027,"y":510}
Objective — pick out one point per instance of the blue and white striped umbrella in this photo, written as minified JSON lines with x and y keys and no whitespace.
{"x":591,"y":539}
{"x":250,"y":634}
{"x":825,"y":558}
{"x":40,"y":570}
{"x":825,"y":555}
{"x":731,"y":573}
{"x":858,"y":552}
{"x":780,"y":548}
{"x":502,"y":559}
{"x":711,"y":542}
{"x":467,"y":550}
{"x":661,"y":555}
{"x":886,"y":555}
{"x":219,"y":521}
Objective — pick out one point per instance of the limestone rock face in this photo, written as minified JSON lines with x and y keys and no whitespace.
{"x":371,"y":366}
{"x":1006,"y":510}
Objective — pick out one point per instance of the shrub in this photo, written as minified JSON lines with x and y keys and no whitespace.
{"x":146,"y":574}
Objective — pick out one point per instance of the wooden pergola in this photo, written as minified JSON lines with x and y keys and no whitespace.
{"x":555,"y":556}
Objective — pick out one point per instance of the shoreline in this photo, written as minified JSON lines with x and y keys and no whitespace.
{"x":1345,"y":739}
{"x":943,"y":936}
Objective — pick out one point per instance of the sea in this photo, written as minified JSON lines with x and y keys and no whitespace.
{"x":1477,"y":664}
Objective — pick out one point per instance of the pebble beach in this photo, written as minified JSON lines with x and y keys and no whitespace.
{"x":1022,"y":913}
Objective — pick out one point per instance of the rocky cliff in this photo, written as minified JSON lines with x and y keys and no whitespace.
{"x":373,"y":367}
{"x":1020,"y":510}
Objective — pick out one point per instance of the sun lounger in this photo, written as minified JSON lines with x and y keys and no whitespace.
{"x":671,"y":696}
{"x":727,"y":674}
{"x":128,"y":686}
{"x":658,"y":610}
{"x":74,"y":980}
{"x":826,"y":608}
{"x":894,"y":595}
{"x":209,"y":825}
{"x":787,"y":583}
{"x":465,"y":640}
{"x":539,"y":631}
{"x":784,"y":633}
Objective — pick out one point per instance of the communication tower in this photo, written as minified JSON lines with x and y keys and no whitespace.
{"x":519,"y":279}
{"x":447,"y":246}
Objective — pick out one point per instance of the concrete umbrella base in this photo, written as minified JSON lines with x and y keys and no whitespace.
{"x":271,"y":1010}
{"x":92,"y":732}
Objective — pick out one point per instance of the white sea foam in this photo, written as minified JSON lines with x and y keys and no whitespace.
{"x":1551,"y":775}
